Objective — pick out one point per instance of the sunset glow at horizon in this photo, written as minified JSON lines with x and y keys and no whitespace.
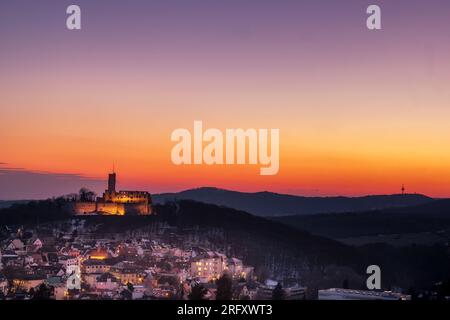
{"x":359,"y":112}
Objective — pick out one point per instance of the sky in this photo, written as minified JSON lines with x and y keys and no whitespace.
{"x":359,"y":111}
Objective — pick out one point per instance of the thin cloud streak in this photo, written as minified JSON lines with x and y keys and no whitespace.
{"x":19,"y":183}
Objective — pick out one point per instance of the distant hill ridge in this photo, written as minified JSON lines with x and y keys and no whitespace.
{"x":430,"y":217}
{"x":275,"y":204}
{"x":9,"y":203}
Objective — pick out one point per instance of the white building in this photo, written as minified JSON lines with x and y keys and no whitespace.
{"x":208,"y":266}
{"x":107,"y":282}
{"x":349,"y":294}
{"x":72,"y":265}
{"x":138,"y":292}
{"x":38,"y":243}
{"x":265,"y":291}
{"x":295,"y":293}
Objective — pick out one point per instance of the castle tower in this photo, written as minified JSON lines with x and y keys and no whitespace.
{"x":112,"y":182}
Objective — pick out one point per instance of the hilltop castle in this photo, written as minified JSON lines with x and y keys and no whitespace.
{"x":116,"y":202}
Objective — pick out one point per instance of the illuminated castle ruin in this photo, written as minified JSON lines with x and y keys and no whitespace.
{"x":116,"y":202}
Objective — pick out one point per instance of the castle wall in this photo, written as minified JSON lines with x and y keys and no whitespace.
{"x":82,"y":208}
{"x":111,"y":208}
{"x":126,"y":196}
{"x":140,"y":209}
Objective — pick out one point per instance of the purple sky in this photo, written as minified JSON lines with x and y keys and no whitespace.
{"x":370,"y":107}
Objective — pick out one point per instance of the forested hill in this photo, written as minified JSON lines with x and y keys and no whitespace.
{"x":429,"y":217}
{"x":274,"y":204}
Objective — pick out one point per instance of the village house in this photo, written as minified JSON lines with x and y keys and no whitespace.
{"x":27,"y":281}
{"x":17,"y":246}
{"x":107,"y":282}
{"x":95,"y":266}
{"x":128,"y":273}
{"x":208,"y":266}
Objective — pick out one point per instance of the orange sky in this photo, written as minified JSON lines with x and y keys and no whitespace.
{"x":358,"y":112}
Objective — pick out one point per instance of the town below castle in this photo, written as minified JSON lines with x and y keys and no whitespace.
{"x":76,"y":260}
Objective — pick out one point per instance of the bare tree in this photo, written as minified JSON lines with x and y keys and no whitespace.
{"x":87,"y":195}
